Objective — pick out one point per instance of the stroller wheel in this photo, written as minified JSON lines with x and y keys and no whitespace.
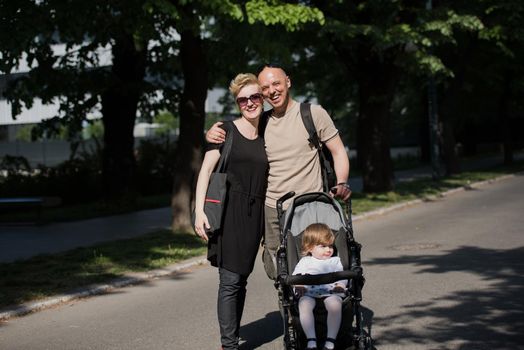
{"x":364,"y":343}
{"x":290,"y":346}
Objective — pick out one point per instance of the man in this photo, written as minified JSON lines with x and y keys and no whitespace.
{"x":293,"y":162}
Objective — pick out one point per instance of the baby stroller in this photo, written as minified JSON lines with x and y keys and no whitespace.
{"x":305,"y":209}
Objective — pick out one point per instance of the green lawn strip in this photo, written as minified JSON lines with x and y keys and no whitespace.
{"x":425,"y":188}
{"x":47,"y":275}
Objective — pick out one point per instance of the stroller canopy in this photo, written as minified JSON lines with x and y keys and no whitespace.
{"x":312,"y":208}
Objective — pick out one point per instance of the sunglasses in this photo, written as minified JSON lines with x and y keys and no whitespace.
{"x":255,"y":98}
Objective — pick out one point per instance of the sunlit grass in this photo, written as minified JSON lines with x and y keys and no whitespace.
{"x":425,"y":188}
{"x":46,"y":275}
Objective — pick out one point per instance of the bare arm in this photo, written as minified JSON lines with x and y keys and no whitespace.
{"x":341,"y":160}
{"x":210,"y":160}
{"x":216,"y":134}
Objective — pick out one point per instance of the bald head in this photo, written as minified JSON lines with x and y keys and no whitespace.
{"x":275,"y":86}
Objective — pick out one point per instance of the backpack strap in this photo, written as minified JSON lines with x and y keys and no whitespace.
{"x":326,"y":160}
{"x":226,"y":149}
{"x":307,"y":119}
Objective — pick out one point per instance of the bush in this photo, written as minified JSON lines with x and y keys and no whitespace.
{"x":79,"y":180}
{"x":14,"y":165}
{"x":76,"y":180}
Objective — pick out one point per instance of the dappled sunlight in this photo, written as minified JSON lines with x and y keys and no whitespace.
{"x":46,"y":275}
{"x":486,"y":318}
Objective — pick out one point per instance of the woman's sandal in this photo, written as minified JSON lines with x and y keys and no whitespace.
{"x":312,"y":339}
{"x":331,"y":340}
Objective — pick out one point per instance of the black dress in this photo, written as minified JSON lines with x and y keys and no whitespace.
{"x":236,"y":246}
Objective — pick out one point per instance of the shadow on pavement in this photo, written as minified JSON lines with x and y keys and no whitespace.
{"x":261,"y":331}
{"x":491,"y":318}
{"x":367,"y":322}
{"x":269,"y":328}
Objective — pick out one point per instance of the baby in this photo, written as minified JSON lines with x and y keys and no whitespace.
{"x":317,"y":248}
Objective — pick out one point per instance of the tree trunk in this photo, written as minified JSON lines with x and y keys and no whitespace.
{"x":505,"y":125}
{"x":450,"y":100}
{"x":376,"y":81}
{"x":119,"y":107}
{"x":423,"y":131}
{"x":449,"y":151}
{"x":191,"y":139}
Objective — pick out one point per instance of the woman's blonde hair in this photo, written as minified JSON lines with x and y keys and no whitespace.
{"x":242,"y":80}
{"x":316,"y":234}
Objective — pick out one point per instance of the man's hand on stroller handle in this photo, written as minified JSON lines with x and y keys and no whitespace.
{"x":341,"y":190}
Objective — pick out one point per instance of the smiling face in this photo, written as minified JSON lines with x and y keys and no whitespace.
{"x":250,"y":101}
{"x":321,"y":251}
{"x":275,"y":87}
{"x":318,"y":241}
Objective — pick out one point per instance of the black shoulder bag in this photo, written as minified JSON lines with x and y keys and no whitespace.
{"x":214,"y":203}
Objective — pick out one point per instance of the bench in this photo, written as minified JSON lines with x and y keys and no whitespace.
{"x":23,"y":204}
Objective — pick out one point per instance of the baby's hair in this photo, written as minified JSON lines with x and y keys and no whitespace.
{"x":316,"y":234}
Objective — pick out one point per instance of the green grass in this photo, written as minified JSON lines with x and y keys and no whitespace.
{"x":47,"y":275}
{"x":425,"y":188}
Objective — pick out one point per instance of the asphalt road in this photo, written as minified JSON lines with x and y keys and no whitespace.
{"x":447,"y":274}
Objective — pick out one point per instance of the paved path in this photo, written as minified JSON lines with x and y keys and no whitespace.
{"x":442,"y":275}
{"x":22,"y":242}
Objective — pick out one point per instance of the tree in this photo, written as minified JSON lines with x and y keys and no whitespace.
{"x":195,"y":66}
{"x":84,"y":78}
{"x":192,"y":115}
{"x":504,"y":31}
{"x":478,"y":102}
{"x":379,"y":42}
{"x":157,"y":61}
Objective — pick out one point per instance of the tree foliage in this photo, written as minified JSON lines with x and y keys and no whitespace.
{"x":362,"y":60}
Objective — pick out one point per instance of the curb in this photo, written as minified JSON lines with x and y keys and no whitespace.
{"x":138,"y":278}
{"x":98,"y":289}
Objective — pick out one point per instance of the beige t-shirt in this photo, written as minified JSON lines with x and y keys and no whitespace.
{"x":293,"y":161}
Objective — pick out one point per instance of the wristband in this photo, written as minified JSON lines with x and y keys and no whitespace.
{"x":344,"y":184}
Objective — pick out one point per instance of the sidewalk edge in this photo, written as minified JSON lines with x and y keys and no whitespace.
{"x":98,"y":289}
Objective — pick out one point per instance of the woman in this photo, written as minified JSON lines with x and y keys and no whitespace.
{"x":234,"y":249}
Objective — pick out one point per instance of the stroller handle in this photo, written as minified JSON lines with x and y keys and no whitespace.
{"x":324,"y":278}
{"x":280,"y":201}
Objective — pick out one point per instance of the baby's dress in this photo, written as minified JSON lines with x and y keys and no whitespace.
{"x":309,"y":265}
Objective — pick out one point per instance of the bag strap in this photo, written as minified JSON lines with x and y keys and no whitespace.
{"x":226,"y":149}
{"x":307,"y":119}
